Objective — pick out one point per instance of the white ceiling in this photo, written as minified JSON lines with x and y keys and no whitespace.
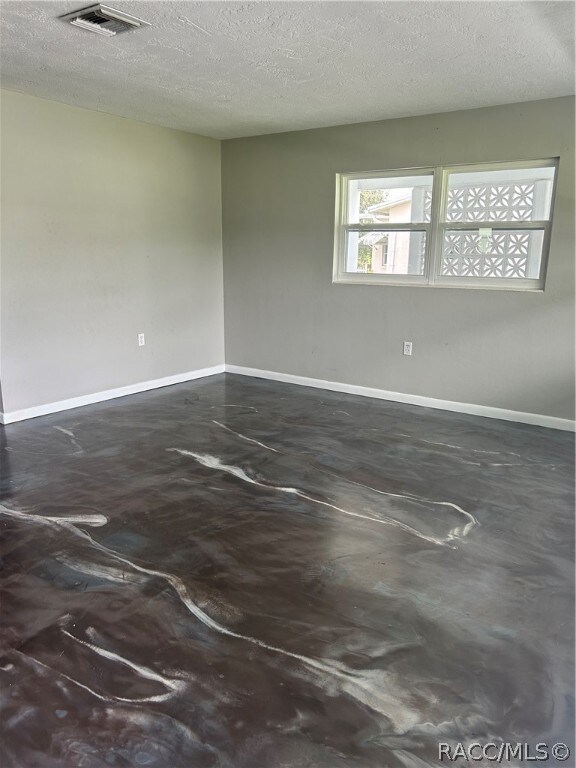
{"x":227,"y":69}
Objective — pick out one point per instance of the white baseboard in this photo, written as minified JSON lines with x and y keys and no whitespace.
{"x":109,"y":394}
{"x":536,"y":419}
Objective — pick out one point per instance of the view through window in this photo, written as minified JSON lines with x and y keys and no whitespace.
{"x":470,"y":225}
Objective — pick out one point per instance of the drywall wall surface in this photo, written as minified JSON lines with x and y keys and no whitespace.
{"x":509,"y":350}
{"x":110,"y":228}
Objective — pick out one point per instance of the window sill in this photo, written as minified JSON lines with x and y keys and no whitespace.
{"x":535,"y":287}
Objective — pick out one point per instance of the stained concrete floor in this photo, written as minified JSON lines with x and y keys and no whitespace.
{"x":246,"y":574}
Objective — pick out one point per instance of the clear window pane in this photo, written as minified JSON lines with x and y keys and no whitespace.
{"x":386,"y":253}
{"x":396,"y":200}
{"x":492,"y":253}
{"x":502,"y":195}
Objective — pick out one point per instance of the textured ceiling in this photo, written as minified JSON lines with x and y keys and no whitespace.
{"x":227,"y":69}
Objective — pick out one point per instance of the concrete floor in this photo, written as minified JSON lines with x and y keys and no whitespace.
{"x":246,"y":574}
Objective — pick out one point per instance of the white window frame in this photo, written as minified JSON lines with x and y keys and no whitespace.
{"x":435,"y":229}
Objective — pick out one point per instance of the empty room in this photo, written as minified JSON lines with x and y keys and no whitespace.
{"x":287,"y":376}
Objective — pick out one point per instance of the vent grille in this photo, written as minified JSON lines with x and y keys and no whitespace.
{"x":103,"y":20}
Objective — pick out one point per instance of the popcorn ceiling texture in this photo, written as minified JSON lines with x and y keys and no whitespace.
{"x":229,"y":69}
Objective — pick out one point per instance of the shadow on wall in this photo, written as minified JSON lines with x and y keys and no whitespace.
{"x":542,"y":20}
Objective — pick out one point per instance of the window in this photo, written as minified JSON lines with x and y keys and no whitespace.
{"x":480,"y":226}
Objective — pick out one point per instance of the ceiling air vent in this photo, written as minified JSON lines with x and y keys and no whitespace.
{"x":103,"y":20}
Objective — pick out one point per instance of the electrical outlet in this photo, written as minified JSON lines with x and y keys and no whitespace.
{"x":407,"y":347}
{"x":141,"y":340}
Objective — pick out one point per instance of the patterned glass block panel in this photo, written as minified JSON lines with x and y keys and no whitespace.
{"x":428,"y":206}
{"x":386,"y":253}
{"x":502,"y":254}
{"x":497,"y":203}
{"x":504,"y":195}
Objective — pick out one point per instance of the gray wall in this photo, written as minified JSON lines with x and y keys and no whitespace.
{"x":112,"y":227}
{"x":109,"y":228}
{"x":282,"y":312}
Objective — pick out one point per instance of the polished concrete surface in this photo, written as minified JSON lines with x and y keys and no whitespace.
{"x":246,"y":574}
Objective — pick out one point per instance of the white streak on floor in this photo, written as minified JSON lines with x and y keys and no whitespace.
{"x":37,"y":662}
{"x":94,"y":521}
{"x":99,"y":571}
{"x":455,"y":533}
{"x":355,"y":683}
{"x":149,"y":674}
{"x":72,"y":437}
{"x":213,"y":462}
{"x":232,"y":405}
{"x":458,"y":447}
{"x":243,"y":437}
